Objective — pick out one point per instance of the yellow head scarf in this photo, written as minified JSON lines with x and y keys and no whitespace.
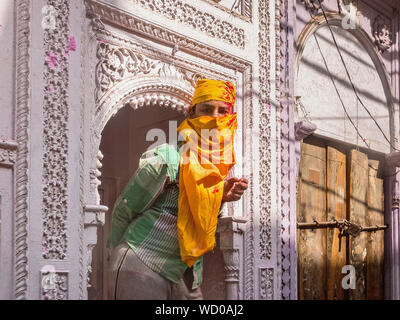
{"x":206,"y":158}
{"x":207,"y":89}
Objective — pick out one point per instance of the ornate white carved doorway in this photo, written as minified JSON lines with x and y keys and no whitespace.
{"x":147,"y":72}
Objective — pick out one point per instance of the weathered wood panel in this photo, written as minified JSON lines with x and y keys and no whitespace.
{"x":312,"y":205}
{"x":336,"y":209}
{"x":375,"y":249}
{"x":358,"y":205}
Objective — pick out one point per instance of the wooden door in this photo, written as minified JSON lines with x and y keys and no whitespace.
{"x":336,"y":209}
{"x":312,"y":193}
{"x":339,"y":185}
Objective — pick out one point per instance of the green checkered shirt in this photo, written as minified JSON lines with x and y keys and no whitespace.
{"x":145,"y":215}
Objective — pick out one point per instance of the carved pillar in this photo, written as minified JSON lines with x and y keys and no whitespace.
{"x":231,"y":237}
{"x":290,"y":163}
{"x":94,"y":178}
{"x":392,"y":239}
{"x":8,"y":166}
{"x":94,"y":217}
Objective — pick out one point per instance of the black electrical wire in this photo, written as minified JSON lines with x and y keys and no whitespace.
{"x":340,"y":97}
{"x":351,"y":82}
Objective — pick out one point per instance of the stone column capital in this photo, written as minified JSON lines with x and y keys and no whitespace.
{"x":303,"y":129}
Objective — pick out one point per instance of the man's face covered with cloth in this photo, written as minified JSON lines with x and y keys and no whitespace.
{"x":207,"y":155}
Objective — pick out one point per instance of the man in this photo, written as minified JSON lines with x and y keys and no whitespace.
{"x":165,"y":218}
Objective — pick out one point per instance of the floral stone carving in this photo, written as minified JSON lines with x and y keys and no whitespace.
{"x":382,"y":34}
{"x":313,"y":5}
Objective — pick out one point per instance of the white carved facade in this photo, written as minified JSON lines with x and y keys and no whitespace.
{"x":64,"y":85}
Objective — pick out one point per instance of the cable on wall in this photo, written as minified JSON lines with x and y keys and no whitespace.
{"x":351,"y":81}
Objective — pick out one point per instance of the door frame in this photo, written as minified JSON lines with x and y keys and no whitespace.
{"x":292,"y":133}
{"x":346,"y":148}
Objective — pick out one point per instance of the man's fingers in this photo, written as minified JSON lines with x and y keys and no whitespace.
{"x":228,"y":185}
{"x":236,"y":194}
{"x":232,"y":179}
{"x":237,"y":190}
{"x":240,"y":186}
{"x":235,"y":198}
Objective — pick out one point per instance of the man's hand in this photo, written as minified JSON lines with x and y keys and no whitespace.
{"x":234,"y":188}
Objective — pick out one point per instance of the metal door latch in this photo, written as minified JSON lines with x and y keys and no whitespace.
{"x":346,"y":228}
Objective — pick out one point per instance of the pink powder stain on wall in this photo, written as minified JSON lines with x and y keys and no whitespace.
{"x":52,"y":59}
{"x":71,"y":44}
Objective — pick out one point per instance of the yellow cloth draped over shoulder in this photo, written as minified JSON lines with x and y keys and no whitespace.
{"x":206,"y":157}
